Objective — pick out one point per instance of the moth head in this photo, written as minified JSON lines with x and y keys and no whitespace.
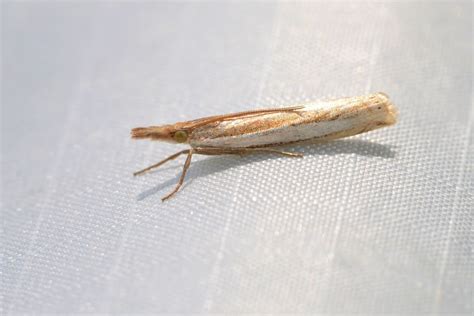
{"x":167,"y":133}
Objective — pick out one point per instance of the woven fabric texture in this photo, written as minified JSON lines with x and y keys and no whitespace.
{"x":377,"y":223}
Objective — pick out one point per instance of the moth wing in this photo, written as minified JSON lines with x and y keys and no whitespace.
{"x":228,"y":117}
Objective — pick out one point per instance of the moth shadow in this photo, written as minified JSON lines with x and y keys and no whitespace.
{"x":215,"y":164}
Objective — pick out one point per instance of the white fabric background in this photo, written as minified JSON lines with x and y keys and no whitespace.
{"x":378,"y":223}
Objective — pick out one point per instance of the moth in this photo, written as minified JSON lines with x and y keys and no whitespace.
{"x":265,"y":130}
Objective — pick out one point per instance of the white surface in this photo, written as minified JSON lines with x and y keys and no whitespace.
{"x":378,"y":223}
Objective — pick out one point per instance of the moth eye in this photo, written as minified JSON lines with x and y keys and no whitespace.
{"x":180,"y":136}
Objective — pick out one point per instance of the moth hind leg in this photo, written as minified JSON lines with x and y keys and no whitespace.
{"x":241,"y":151}
{"x":275,"y":151}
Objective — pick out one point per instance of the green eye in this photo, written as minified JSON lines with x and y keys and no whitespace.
{"x":180,"y":136}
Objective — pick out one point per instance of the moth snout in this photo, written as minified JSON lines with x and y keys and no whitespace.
{"x":152,"y":132}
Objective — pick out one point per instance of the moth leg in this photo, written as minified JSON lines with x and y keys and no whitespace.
{"x":243,"y":151}
{"x":174,"y":156}
{"x":183,"y":175}
{"x":271,"y":150}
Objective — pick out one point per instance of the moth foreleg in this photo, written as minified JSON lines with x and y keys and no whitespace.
{"x":174,"y":156}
